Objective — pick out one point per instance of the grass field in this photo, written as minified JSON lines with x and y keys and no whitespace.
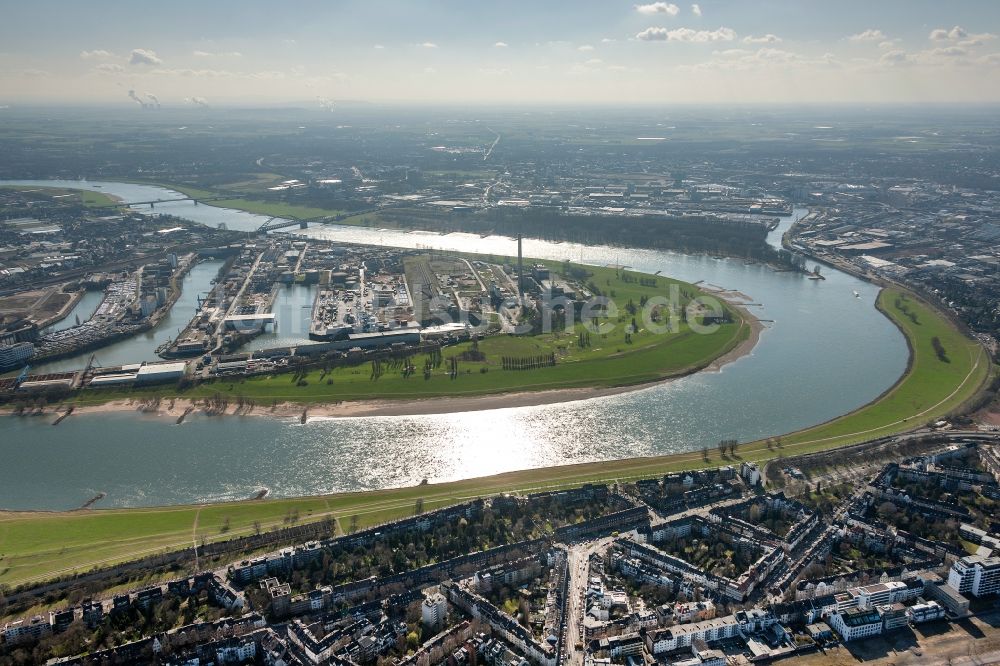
{"x":41,"y":545}
{"x":88,"y":198}
{"x":96,"y":199}
{"x":276,"y":209}
{"x":257,"y":206}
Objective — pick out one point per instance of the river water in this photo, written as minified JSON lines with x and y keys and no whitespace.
{"x":142,"y":347}
{"x":825,"y":353}
{"x":84,"y":309}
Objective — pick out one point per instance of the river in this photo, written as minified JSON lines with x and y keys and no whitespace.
{"x":142,"y":347}
{"x":825,"y":353}
{"x":84,"y":309}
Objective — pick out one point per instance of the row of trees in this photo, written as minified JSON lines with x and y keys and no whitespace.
{"x":939,"y":349}
{"x":528,"y":362}
{"x":728,"y":444}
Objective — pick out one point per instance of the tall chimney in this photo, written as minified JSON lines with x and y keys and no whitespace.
{"x":520,"y":269}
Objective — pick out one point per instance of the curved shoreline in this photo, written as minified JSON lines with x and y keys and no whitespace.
{"x":179,"y":408}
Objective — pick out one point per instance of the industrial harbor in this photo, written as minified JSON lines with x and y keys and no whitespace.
{"x":366,"y":301}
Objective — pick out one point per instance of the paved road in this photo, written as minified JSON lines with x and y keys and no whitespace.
{"x":579,"y":570}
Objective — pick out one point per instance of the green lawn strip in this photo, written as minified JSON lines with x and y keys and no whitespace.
{"x":643,"y":365}
{"x":276,"y":208}
{"x":369,"y":219}
{"x":88,"y":198}
{"x":93,"y":199}
{"x":608,"y":361}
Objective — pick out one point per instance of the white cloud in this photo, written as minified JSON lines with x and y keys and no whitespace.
{"x":761,"y":56}
{"x":585,"y":48}
{"x":607,"y":40}
{"x":943,"y":34}
{"x":948,"y":52}
{"x":30,"y":73}
{"x":429,"y":45}
{"x":977,"y":40}
{"x":110,"y":68}
{"x":378,"y":46}
{"x":594,"y":61}
{"x":266,"y":75}
{"x":888,"y":44}
{"x":696,"y":9}
{"x":766,"y":57}
{"x":947,"y":55}
{"x":430,"y":70}
{"x":733,"y":59}
{"x":96,"y":53}
{"x":196,"y":73}
{"x":732,"y":53}
{"x":686,"y":35}
{"x":501,"y":45}
{"x":895,"y":58}
{"x":869,"y":35}
{"x":668,"y":8}
{"x":144,"y":57}
{"x":222,"y":54}
{"x":764,"y":39}
{"x":961,"y":35}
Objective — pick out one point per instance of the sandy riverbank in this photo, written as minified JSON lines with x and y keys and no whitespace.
{"x":176,"y":408}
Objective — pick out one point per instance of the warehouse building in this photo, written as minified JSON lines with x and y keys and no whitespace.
{"x":153,"y":373}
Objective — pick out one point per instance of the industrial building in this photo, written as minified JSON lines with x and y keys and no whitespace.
{"x":15,"y":355}
{"x":140,"y":373}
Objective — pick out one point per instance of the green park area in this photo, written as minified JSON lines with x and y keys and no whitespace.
{"x":66,"y":197}
{"x":276,"y":208}
{"x":941,"y":377}
{"x":250,"y":196}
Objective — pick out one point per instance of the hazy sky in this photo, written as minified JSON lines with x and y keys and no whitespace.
{"x":539,"y":51}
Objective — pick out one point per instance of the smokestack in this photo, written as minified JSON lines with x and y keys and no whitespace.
{"x":520,"y":269}
{"x":135,"y":98}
